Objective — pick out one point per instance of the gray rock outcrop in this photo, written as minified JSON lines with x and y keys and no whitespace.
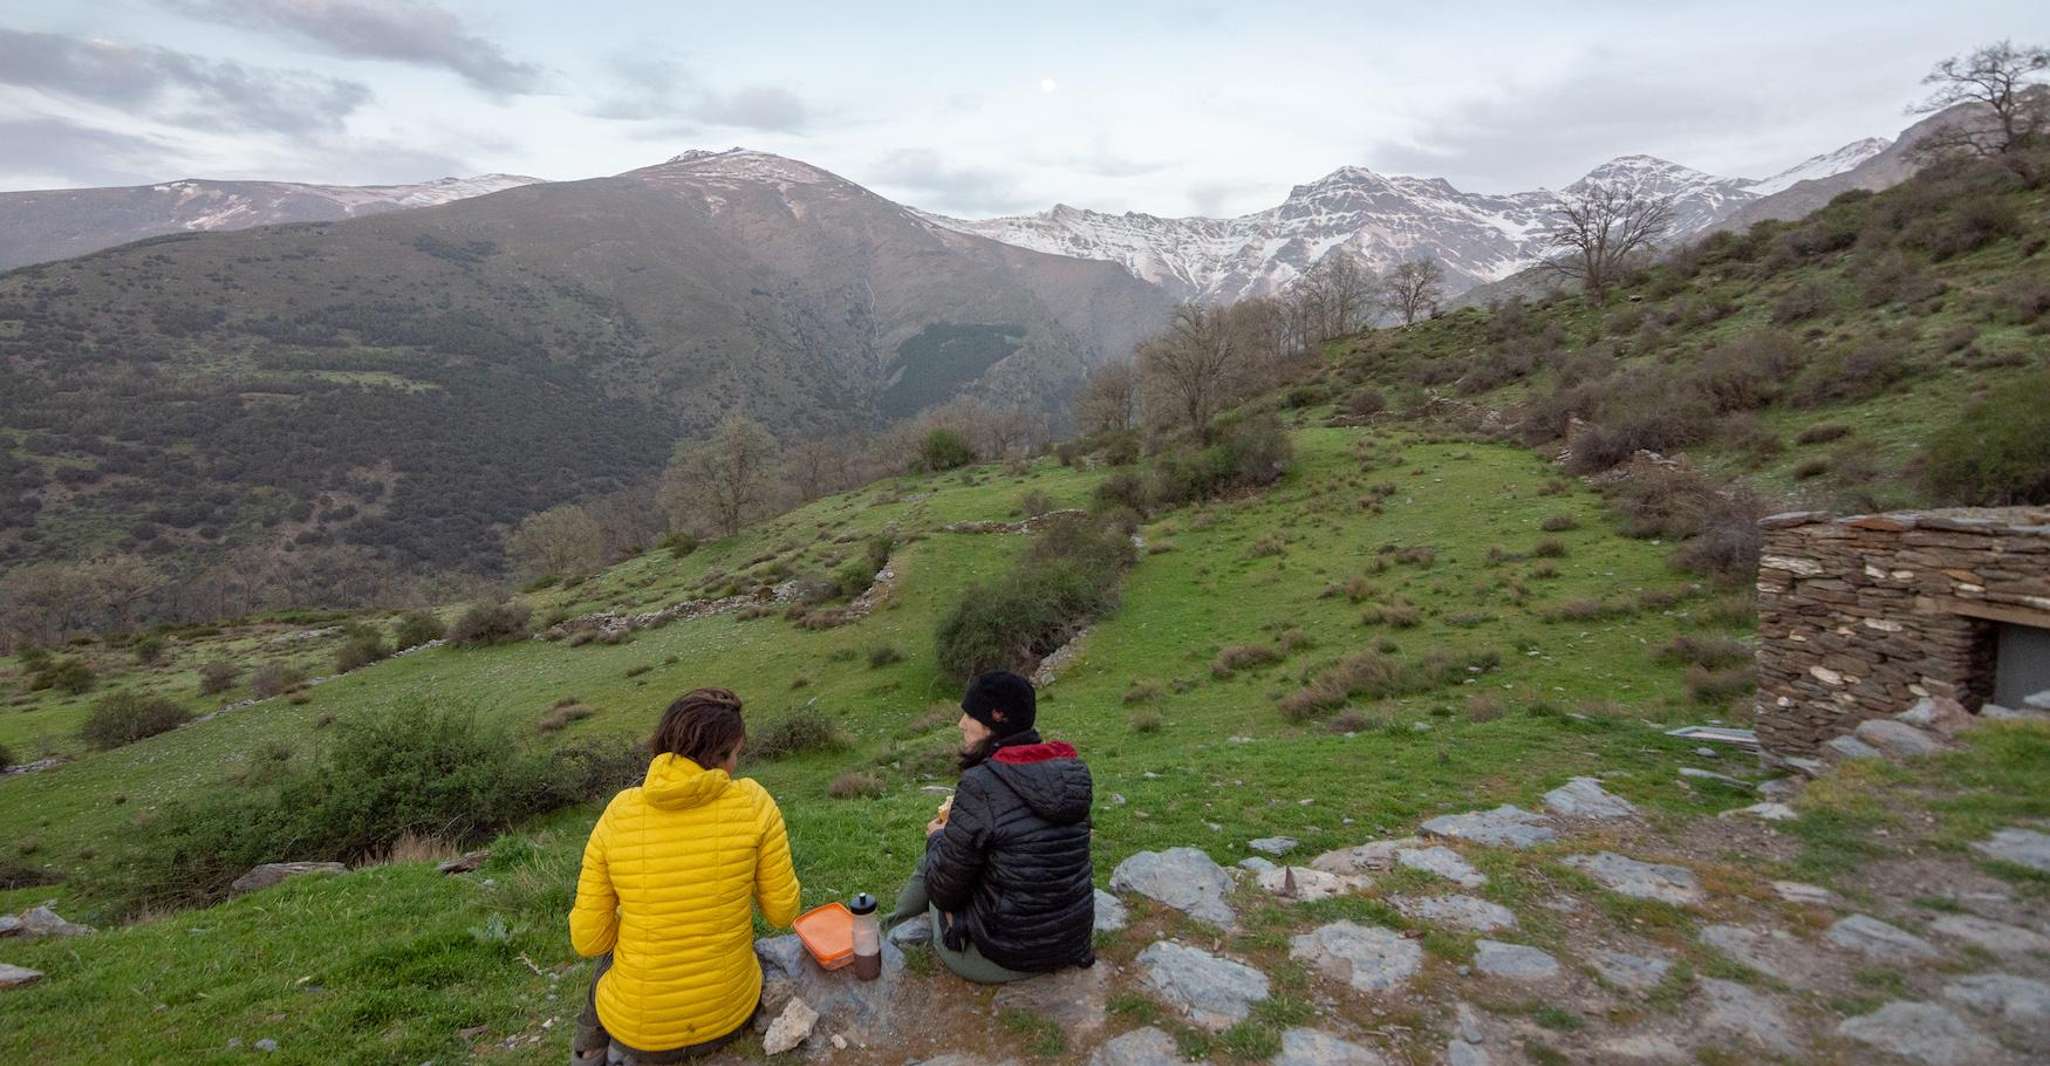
{"x":1308,"y":1047}
{"x":273,"y":873}
{"x":1369,"y":958}
{"x":1640,"y":880}
{"x":1584,"y":797}
{"x":1515,"y":962}
{"x":1920,"y":1032}
{"x":1212,"y":992}
{"x":1878,"y":941}
{"x":1183,"y":878}
{"x":1505,"y":826}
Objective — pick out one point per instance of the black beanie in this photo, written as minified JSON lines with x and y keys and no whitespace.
{"x":1001,"y":690}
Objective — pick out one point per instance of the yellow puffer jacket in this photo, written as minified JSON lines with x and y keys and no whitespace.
{"x":668,"y":876}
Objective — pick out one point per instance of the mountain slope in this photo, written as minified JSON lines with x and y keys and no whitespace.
{"x":50,"y":224}
{"x":433,"y":374}
{"x":1879,"y":170}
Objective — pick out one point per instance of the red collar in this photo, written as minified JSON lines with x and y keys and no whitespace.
{"x":1032,"y":753}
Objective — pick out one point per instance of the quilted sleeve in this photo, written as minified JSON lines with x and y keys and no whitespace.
{"x":776,"y":889}
{"x":594,"y":919}
{"x":955,"y":855}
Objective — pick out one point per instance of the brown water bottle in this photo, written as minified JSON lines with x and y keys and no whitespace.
{"x":868,"y":938}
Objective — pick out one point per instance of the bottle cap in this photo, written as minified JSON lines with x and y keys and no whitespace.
{"x":862,"y":903}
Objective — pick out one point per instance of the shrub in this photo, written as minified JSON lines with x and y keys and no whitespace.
{"x":944,"y":449}
{"x":1746,"y":373}
{"x":1142,"y":692}
{"x":63,"y":674}
{"x":801,"y":731}
{"x":1710,"y":652}
{"x":491,"y":623}
{"x":1035,"y":502}
{"x":1998,"y":453}
{"x":1549,"y":548}
{"x":1365,"y":402}
{"x":148,"y":650}
{"x":1397,"y":615}
{"x":1242,"y":657}
{"x":1122,"y":489}
{"x":1823,"y":433}
{"x":6,"y":757}
{"x":217,"y":677}
{"x":1372,"y":675}
{"x":120,"y":718}
{"x":858,"y":784}
{"x":1067,"y":577}
{"x":1800,"y":303}
{"x":1559,"y":523}
{"x":361,"y":646}
{"x":1842,"y":375}
{"x":1247,"y":454}
{"x":272,"y":679}
{"x":415,"y":628}
{"x":679,"y":544}
{"x":1719,"y":686}
{"x":884,"y":655}
{"x":1146,"y":722}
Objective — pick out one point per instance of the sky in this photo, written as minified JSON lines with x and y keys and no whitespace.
{"x":1168,"y":108}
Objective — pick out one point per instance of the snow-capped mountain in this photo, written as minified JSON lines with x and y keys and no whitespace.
{"x":1384,"y":219}
{"x":52,"y":224}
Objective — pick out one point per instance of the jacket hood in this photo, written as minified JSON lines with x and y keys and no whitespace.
{"x":1049,"y":776}
{"x":675,"y":783}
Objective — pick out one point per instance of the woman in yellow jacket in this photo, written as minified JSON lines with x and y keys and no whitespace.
{"x":664,"y":898}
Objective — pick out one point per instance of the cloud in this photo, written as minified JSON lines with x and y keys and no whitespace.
{"x":929,"y":182}
{"x":666,"y":90}
{"x":422,"y":34}
{"x":176,"y":87}
{"x":54,"y":151}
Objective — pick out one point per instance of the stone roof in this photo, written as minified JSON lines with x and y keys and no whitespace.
{"x":2026,"y":521}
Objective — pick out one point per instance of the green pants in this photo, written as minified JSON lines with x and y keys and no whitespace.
{"x":967,"y":964}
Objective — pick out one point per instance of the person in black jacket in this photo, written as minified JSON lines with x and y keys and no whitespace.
{"x":1006,"y":873}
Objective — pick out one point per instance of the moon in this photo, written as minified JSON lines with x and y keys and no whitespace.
{"x":1047,"y":85}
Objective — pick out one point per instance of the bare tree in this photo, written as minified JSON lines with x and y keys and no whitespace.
{"x":818,"y":467}
{"x":628,"y":520}
{"x":997,"y":432}
{"x":1192,"y":366}
{"x":1109,"y":402}
{"x":563,"y":540}
{"x":1601,"y":228}
{"x":1339,"y":291}
{"x":121,"y":585}
{"x":1412,"y":289}
{"x":2012,"y":104}
{"x":723,"y":480}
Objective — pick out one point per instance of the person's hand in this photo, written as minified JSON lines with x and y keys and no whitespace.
{"x":935,"y":825}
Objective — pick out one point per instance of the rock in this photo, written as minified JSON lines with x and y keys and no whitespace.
{"x":1897,"y":739}
{"x":1459,"y":912}
{"x":1369,"y":958}
{"x":1994,"y":712}
{"x":1642,"y":1047}
{"x":912,"y":932}
{"x":1468,"y":1044}
{"x":1699,"y":774}
{"x":1306,"y":885}
{"x":1505,"y":826}
{"x":791,"y":1028}
{"x":1762,"y":950}
{"x":1111,"y":915}
{"x":272,"y":873}
{"x":870,"y":1011}
{"x":1214,"y":993}
{"x":1708,"y":753}
{"x":1765,"y":812}
{"x":1584,"y":797}
{"x":9,"y":925}
{"x":1878,"y":941}
{"x":1182,"y":878}
{"x":1273,"y":845}
{"x":1737,"y":1013}
{"x":2039,"y":701}
{"x":1782,"y":789}
{"x":1920,"y":1032}
{"x":2023,"y":847}
{"x":1374,"y":857}
{"x":1140,"y":1047}
{"x":1308,"y":1047}
{"x":1256,"y":864}
{"x":40,"y":920}
{"x":1632,"y":973}
{"x":266,"y":1045}
{"x":953,"y":1058}
{"x":18,"y":976}
{"x":1640,"y":880}
{"x":1938,"y":714}
{"x":1805,"y":766}
{"x":2016,"y":1000}
{"x":1796,"y":892}
{"x":1444,"y":862}
{"x":1848,"y":748}
{"x":1516,"y":962}
{"x":466,"y":863}
{"x":1075,"y":999}
{"x":1999,"y":938}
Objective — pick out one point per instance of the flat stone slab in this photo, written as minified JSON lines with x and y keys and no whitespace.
{"x":1878,"y":941}
{"x":1516,"y":962}
{"x":1212,"y":992}
{"x":956,"y":1058}
{"x":2023,"y":847}
{"x":1256,"y":864}
{"x":1584,"y":797}
{"x":1140,"y":1047}
{"x":12,"y":976}
{"x":1764,"y":950}
{"x":1468,"y":1046}
{"x":1764,"y":812}
{"x":1459,"y":912}
{"x":1111,"y":914}
{"x":1076,"y":999}
{"x":1632,"y":973}
{"x":2019,"y":1001}
{"x":1735,"y":1012}
{"x":1897,"y":739}
{"x":1308,"y":1047}
{"x":1921,"y":1032}
{"x":1999,"y":938}
{"x":913,"y":932}
{"x":1276,"y":846}
{"x":41,"y":920}
{"x":1444,"y":862}
{"x":1698,"y":774}
{"x":866,"y":1010}
{"x":1183,"y":878}
{"x":1367,"y":957}
{"x":1797,"y":892}
{"x":1377,"y":856}
{"x":1506,"y":826}
{"x":272,"y":873}
{"x":1640,"y":880}
{"x":9,"y":925}
{"x":1305,"y":884}
{"x":1847,"y":748}
{"x":1937,"y":714}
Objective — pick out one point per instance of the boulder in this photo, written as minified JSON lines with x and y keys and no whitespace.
{"x":1734,"y":1012}
{"x":1468,"y":1046}
{"x":1505,"y":826}
{"x":1640,"y":880}
{"x":1444,"y":862}
{"x":1696,"y":773}
{"x":9,"y":925}
{"x":468,"y":862}
{"x":1076,"y":999}
{"x":273,"y":873}
{"x":1897,"y":740}
{"x":1256,"y":864}
{"x":1306,"y":884}
{"x":1140,"y":1047}
{"x":1632,"y":973}
{"x":1878,"y":941}
{"x":18,"y":976}
{"x":1276,"y":846}
{"x":1848,"y":748}
{"x":1764,"y":950}
{"x":2039,"y":701}
{"x":1938,"y":714}
{"x":1111,"y":915}
{"x":1183,"y":878}
{"x":1764,"y":812}
{"x":1369,"y":958}
{"x":1458,"y":912}
{"x":792,"y":1027}
{"x":1796,"y":892}
{"x":1999,"y":938}
{"x":1212,"y":992}
{"x":1373,"y":857}
{"x":2022,"y":847}
{"x":912,"y":932}
{"x":1516,"y":962}
{"x":870,"y":1011}
{"x":1584,"y":797}
{"x":1920,"y":1032}
{"x":2019,"y":1001}
{"x":1308,"y":1047}
{"x":1994,"y":712}
{"x":40,"y":920}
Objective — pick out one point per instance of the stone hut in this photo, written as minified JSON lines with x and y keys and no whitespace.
{"x":1859,"y":617}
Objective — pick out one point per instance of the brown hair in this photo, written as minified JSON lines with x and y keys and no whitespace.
{"x":703,"y":725}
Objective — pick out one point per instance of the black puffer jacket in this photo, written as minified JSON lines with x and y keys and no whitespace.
{"x":1012,"y":865}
